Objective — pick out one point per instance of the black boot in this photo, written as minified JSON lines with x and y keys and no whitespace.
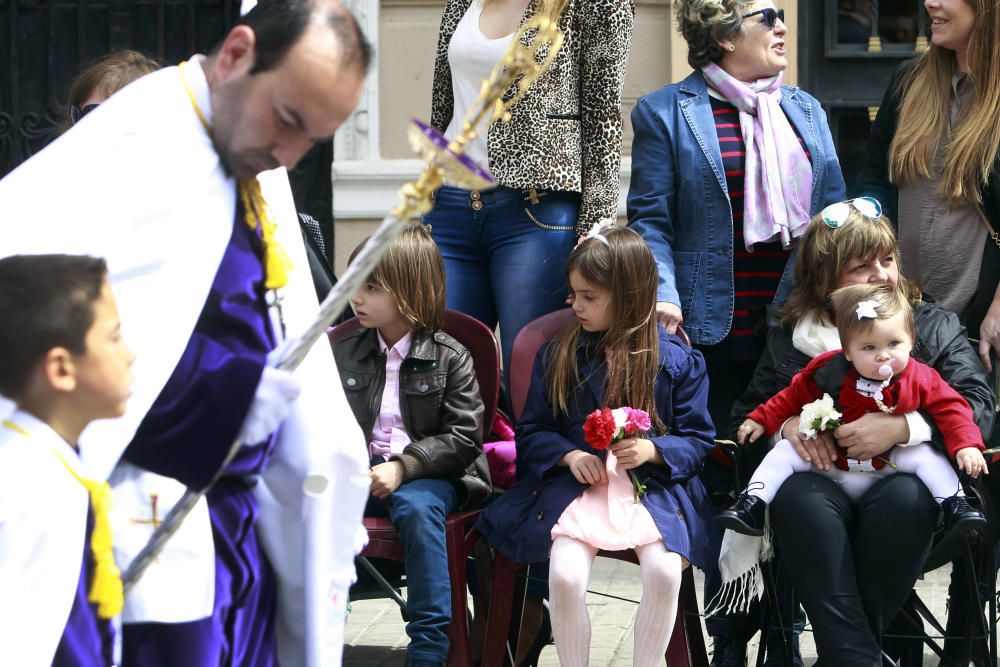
{"x":776,"y":650}
{"x":960,"y":517}
{"x":726,"y":653}
{"x":745,"y":516}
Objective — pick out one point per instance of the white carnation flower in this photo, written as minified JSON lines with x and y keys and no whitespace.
{"x":621,"y":417}
{"x":820,"y":415}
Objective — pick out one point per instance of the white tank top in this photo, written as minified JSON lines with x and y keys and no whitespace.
{"x":471,"y":57}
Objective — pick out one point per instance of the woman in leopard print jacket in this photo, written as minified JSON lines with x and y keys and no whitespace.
{"x":557,"y":160}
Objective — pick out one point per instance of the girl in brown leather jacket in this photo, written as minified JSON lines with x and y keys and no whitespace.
{"x":413,"y":390}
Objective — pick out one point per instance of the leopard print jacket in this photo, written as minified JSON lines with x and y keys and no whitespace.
{"x":566,"y":133}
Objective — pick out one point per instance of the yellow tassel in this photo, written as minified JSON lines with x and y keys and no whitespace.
{"x":276,"y":262}
{"x":106,"y":588}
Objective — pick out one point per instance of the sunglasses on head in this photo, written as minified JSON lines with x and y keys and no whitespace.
{"x":835,"y":215}
{"x":770,"y":14}
{"x":76,"y":113}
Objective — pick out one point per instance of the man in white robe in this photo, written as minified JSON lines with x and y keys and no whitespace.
{"x":149,"y":181}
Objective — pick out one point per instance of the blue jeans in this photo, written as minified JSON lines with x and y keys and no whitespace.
{"x":418,"y":510}
{"x":506,"y":262}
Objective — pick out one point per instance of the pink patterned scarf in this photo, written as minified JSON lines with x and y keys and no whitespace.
{"x":778,"y":178}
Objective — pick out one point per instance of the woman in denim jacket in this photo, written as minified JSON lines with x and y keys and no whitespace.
{"x":728,"y":166}
{"x":703,"y":197}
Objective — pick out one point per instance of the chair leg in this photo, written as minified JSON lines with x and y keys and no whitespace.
{"x":777,"y":610}
{"x":924,"y":613}
{"x":687,"y":642}
{"x":459,"y":652}
{"x":975,"y":600}
{"x":502,"y":593}
{"x":383,"y":583}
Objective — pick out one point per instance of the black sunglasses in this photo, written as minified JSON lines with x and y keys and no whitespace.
{"x":76,"y":113}
{"x":771,"y":16}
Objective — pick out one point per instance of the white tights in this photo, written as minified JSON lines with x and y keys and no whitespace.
{"x":569,"y":572}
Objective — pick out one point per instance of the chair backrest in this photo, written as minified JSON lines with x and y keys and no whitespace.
{"x":526,"y":345}
{"x":522,"y":355}
{"x":480,"y":342}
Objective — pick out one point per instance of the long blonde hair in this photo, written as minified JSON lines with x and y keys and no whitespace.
{"x":972,"y":145}
{"x":625,"y":267}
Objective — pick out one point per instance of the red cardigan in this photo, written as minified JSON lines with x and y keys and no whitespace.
{"x":918,"y":387}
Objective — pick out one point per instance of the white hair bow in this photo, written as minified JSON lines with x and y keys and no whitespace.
{"x":597,"y":228}
{"x":867,"y":309}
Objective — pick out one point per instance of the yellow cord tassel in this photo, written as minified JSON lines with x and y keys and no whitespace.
{"x":276,"y":262}
{"x":106,"y":588}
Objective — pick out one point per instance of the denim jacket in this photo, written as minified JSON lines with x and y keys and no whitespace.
{"x":678,"y":200}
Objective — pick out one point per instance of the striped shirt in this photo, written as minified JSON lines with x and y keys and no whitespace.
{"x":755,"y":275}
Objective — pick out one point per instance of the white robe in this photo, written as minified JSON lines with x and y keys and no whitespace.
{"x":43,"y":521}
{"x":139,"y":183}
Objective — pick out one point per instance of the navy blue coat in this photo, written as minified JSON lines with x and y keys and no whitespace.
{"x":519,"y":523}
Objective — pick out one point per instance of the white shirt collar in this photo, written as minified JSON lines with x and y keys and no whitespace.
{"x":44,"y":434}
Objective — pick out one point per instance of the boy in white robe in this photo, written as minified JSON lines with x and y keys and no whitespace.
{"x":64,"y":362}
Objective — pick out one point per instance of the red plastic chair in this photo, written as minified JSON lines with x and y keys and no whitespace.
{"x":460,"y":536}
{"x":687,"y":643}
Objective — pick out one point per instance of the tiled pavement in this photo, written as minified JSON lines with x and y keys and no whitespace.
{"x":375,"y":636}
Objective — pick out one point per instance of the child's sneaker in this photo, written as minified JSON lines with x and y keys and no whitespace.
{"x":745,"y":516}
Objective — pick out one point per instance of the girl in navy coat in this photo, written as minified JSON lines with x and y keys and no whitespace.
{"x":572,"y":500}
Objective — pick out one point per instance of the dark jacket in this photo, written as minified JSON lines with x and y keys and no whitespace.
{"x":941,"y":344}
{"x":678,"y":200}
{"x":440,"y":404}
{"x":566,"y":133}
{"x":519,"y":523}
{"x":874,"y":181}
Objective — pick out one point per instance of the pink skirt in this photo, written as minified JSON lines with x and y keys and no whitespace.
{"x":606,"y":515}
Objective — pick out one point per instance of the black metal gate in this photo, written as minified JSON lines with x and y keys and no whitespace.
{"x":44,"y":44}
{"x":848,"y":50}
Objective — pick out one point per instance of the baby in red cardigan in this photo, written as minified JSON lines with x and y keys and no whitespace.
{"x":874,"y":372}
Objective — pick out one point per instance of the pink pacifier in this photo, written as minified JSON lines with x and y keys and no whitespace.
{"x":885,"y":371}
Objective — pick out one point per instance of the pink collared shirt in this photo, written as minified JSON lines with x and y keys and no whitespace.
{"x":389,"y":434}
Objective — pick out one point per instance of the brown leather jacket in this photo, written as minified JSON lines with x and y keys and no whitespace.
{"x":440,"y":404}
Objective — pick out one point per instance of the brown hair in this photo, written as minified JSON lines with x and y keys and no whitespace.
{"x":47,"y":302}
{"x":412,"y":271}
{"x":888,"y":300}
{"x":973,"y":142}
{"x":107,"y":76}
{"x":625,"y":267}
{"x":824,"y":252}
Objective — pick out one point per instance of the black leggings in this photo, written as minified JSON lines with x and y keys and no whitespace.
{"x":852,"y":566}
